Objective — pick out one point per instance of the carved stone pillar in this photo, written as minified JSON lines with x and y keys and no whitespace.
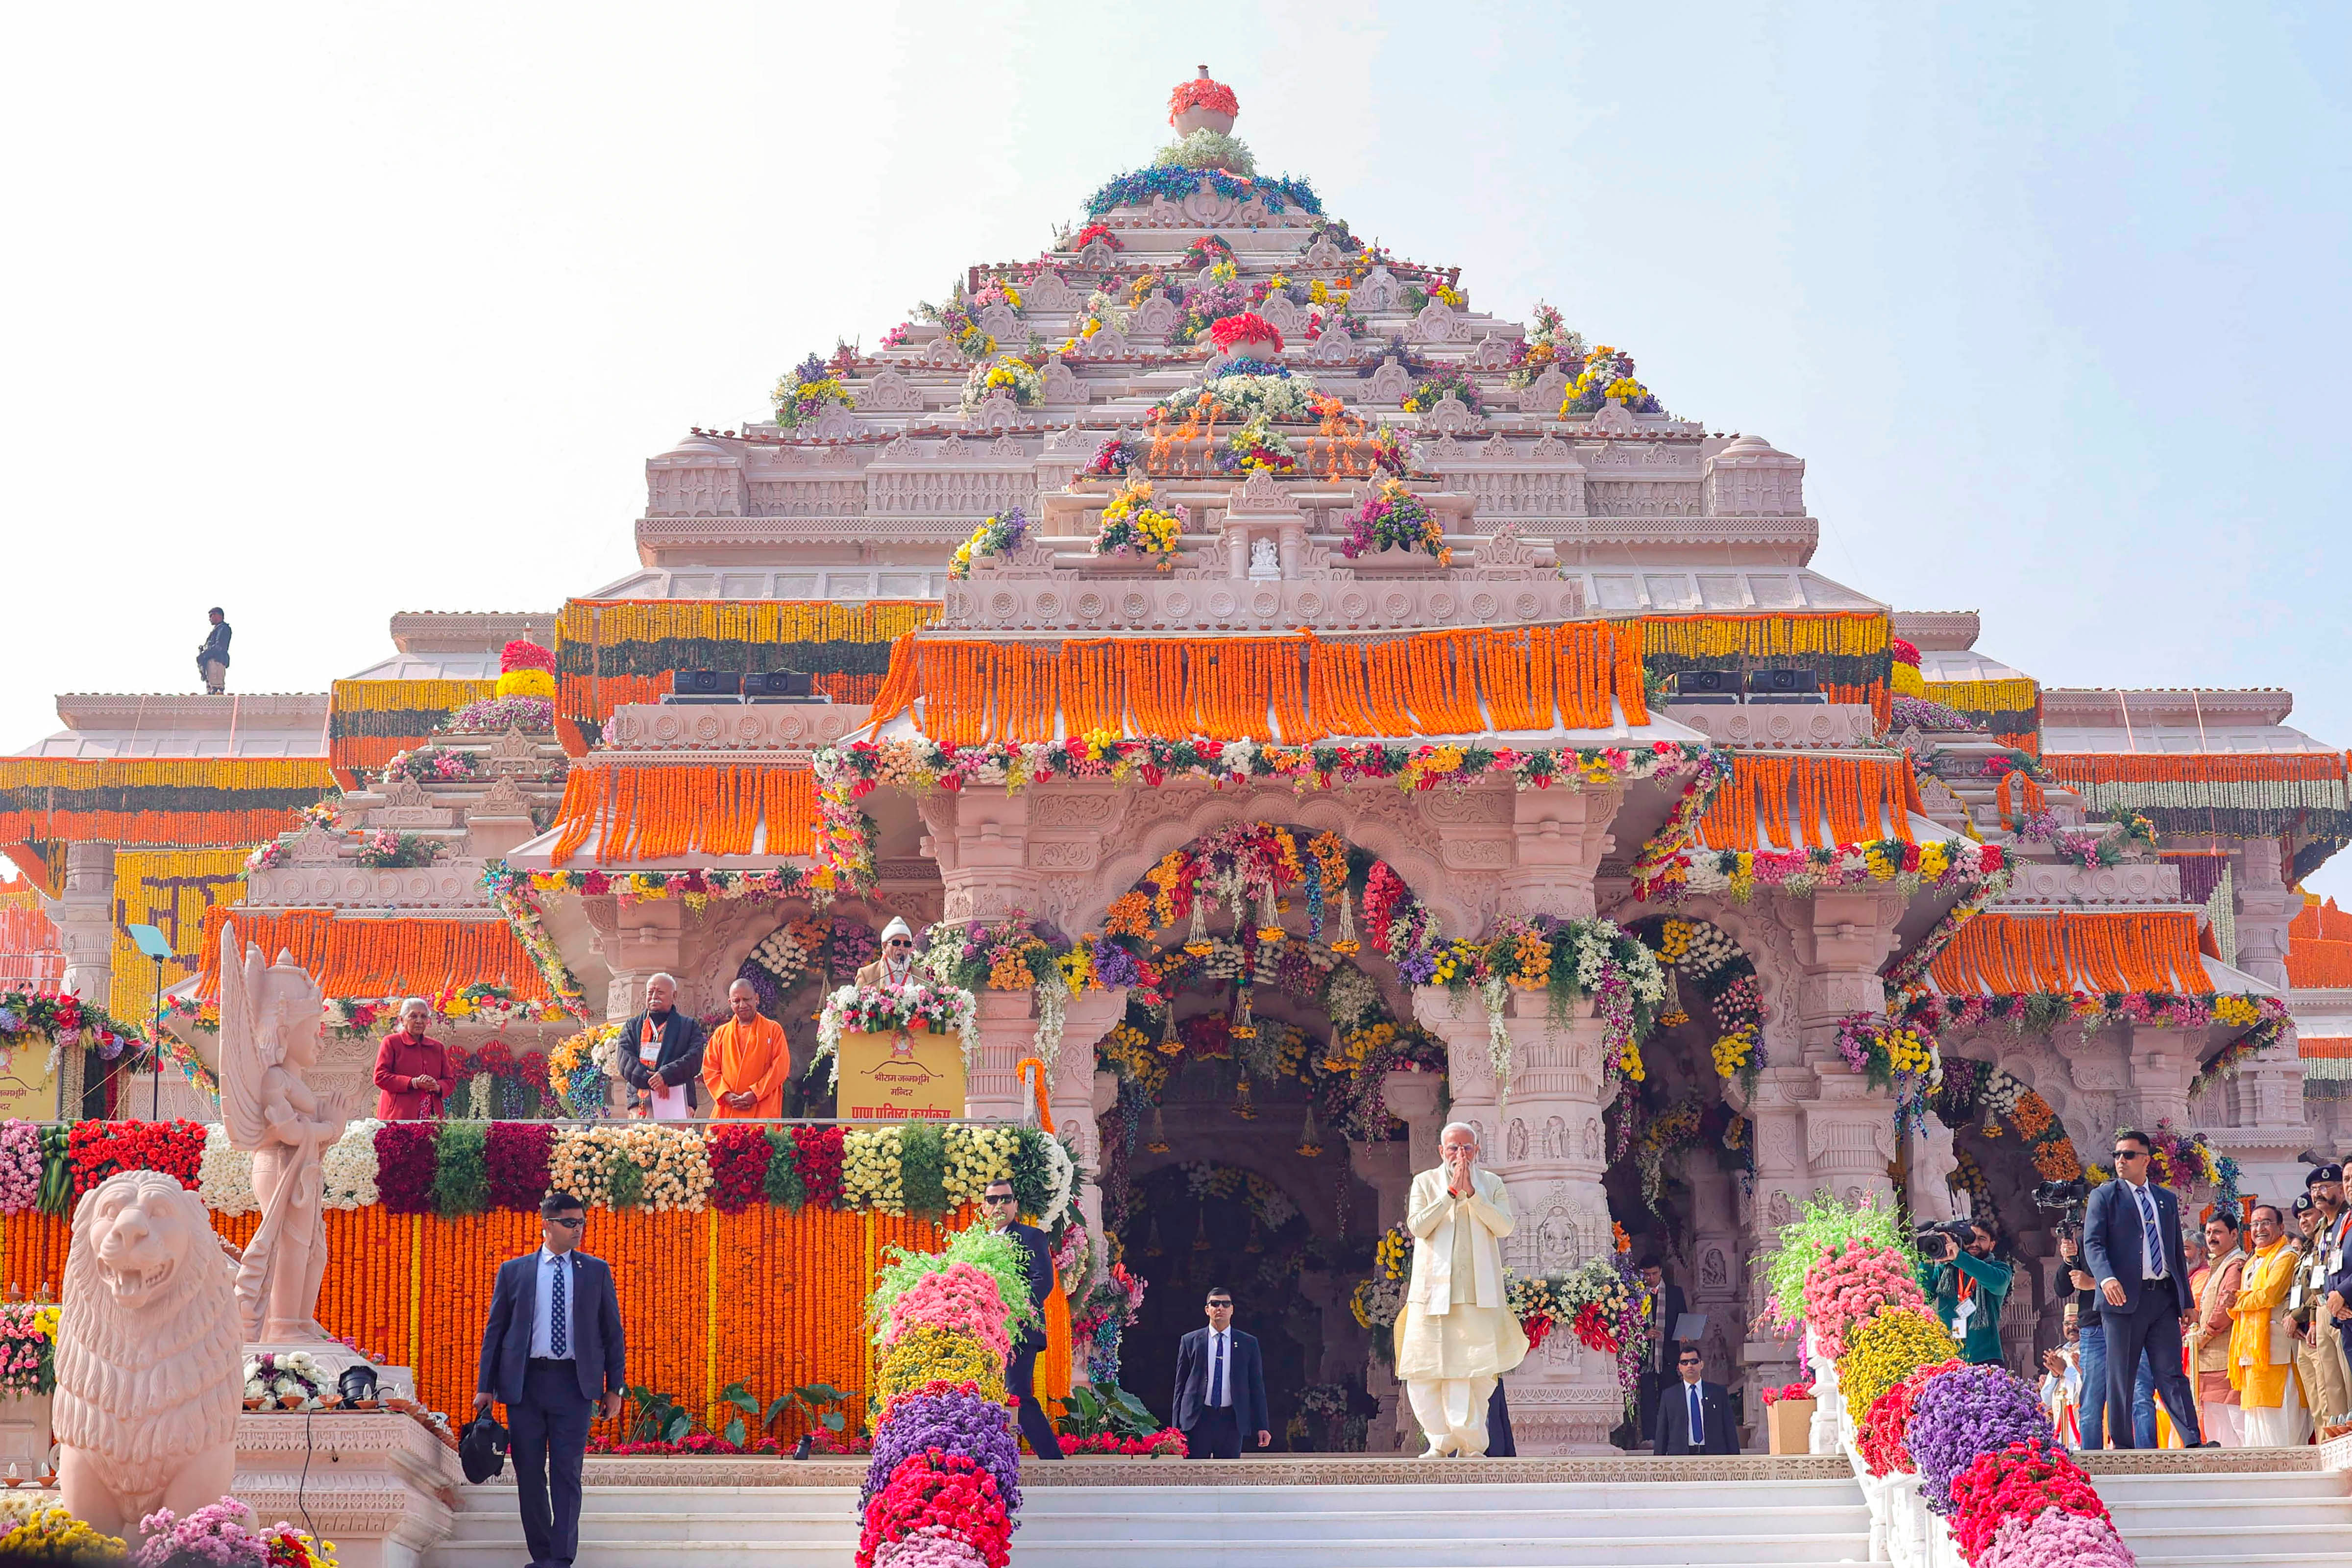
{"x":646,"y":939}
{"x":1783,"y":1183}
{"x":84,"y":916}
{"x":1412,"y":1098}
{"x":1841,"y":938}
{"x":1718,"y":1256}
{"x":2266,"y":905}
{"x":1546,"y":1144}
{"x":1077,"y":1105}
{"x":1008,"y":1030}
{"x":1561,"y":835}
{"x":2162,"y":1063}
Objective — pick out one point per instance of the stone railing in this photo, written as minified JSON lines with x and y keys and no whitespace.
{"x":444,"y":884}
{"x":1903,"y":1531}
{"x":728,"y":727}
{"x":1771,"y":725}
{"x":2043,"y":882}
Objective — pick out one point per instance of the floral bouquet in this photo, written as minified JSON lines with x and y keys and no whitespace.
{"x":1799,"y":1391}
{"x":1134,"y":528}
{"x":962,"y":1299}
{"x":219,"y":1535}
{"x":496,"y":715}
{"x":20,"y":1165}
{"x":2024,"y":1480}
{"x":28,"y":1342}
{"x":46,"y":1531}
{"x":1114,"y":458}
{"x":1393,"y":518}
{"x":997,"y":534}
{"x":937,"y":1508}
{"x":1973,"y":1411}
{"x":430,"y":765}
{"x":294,"y":1379}
{"x":1849,"y":1286}
{"x":1243,"y":329}
{"x":1206,"y":251}
{"x":1256,"y":446}
{"x":1095,"y":232}
{"x":1016,"y":378}
{"x":951,"y":1418}
{"x":807,"y":390}
{"x":1447,"y":384}
{"x":1825,"y":1225}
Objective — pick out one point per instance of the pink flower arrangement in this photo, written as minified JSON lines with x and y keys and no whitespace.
{"x":1246,"y":327}
{"x":962,"y":1299}
{"x":217,"y":1536}
{"x":1789,"y":1390}
{"x":934,"y":1546}
{"x":2056,"y":1538}
{"x":1848,"y":1288}
{"x":20,"y":1165}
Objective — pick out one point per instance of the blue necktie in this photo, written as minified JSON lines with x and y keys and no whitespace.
{"x":1699,"y":1424}
{"x":2151,"y":1249}
{"x":1217,"y":1372}
{"x":559,"y":1319}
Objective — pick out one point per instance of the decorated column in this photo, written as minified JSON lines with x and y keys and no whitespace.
{"x":84,"y":916}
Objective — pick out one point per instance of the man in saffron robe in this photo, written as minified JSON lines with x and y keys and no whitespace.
{"x":745,"y":1060}
{"x":2262,"y":1343}
{"x":1456,"y":1336}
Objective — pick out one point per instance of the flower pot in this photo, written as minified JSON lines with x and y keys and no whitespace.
{"x":1789,"y":1426}
{"x":1199,"y":118}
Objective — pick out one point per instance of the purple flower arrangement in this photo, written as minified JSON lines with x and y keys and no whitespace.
{"x":955,"y":1420}
{"x":1971,"y":1411}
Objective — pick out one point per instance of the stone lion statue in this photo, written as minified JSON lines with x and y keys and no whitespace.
{"x":149,"y":1357}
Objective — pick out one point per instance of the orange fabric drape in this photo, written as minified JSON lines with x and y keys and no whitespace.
{"x":1053,"y":1372}
{"x":667,"y":812}
{"x":1294,"y":689}
{"x":2018,"y":797}
{"x":2096,"y":951}
{"x":1803,"y":800}
{"x":375,"y":958}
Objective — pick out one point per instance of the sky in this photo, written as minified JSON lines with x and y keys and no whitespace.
{"x":322,"y":312}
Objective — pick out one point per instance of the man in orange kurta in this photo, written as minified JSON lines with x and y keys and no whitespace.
{"x":746,"y":1060}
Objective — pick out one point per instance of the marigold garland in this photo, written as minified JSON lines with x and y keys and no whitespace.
{"x":2095,"y":951}
{"x":667,"y":812}
{"x":372,"y":958}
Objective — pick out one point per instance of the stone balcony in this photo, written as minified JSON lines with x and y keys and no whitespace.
{"x":2132,"y":882}
{"x":445,"y":884}
{"x":728,"y":727}
{"x":1777,"y":727}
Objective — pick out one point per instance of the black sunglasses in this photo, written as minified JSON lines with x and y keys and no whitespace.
{"x":573,"y":1224}
{"x":996,"y":1197}
{"x":2131,"y":1153}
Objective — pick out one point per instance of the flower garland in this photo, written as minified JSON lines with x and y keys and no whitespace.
{"x":1890,"y":1053}
{"x":1977,"y":1092}
{"x":997,"y":534}
{"x":1244,"y":390}
{"x":59,"y":1023}
{"x":1173,"y":184}
{"x":1939,"y":864}
{"x":1707,"y":956}
{"x":1256,"y":447}
{"x":1571,"y":961}
{"x":1447,"y":384}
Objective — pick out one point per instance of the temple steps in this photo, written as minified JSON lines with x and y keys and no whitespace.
{"x":2270,"y":1510}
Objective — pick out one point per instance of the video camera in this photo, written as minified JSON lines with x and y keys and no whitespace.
{"x":1931,"y":1239}
{"x":2066,"y":1200}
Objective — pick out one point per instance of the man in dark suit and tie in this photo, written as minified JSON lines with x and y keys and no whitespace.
{"x":550,"y":1352}
{"x":1220,"y":1386}
{"x":2131,"y":1245}
{"x":1666,"y":1305}
{"x":1021,"y":1371}
{"x":1694,"y":1416}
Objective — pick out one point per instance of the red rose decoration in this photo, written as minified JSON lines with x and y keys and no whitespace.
{"x":514,"y":1159}
{"x":2023,"y":1478}
{"x":817,"y":1156}
{"x":739,"y":1166}
{"x":97,"y":1150}
{"x":1248,"y":327}
{"x":406,"y":1158}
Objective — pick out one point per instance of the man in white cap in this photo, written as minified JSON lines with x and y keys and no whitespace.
{"x":1456,"y":1336}
{"x":896,"y":968}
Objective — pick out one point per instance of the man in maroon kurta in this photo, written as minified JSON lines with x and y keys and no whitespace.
{"x":411,"y":1071}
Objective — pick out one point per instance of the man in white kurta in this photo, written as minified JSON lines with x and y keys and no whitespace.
{"x":1457,"y":1334}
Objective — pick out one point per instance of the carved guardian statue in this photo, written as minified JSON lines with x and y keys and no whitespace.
{"x":148,"y":1358}
{"x":270,"y":1023}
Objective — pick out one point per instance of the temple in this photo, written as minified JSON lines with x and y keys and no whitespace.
{"x":1379,"y":710}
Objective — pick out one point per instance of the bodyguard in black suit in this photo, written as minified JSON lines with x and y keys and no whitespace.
{"x":1692,"y":1415}
{"x":2131,"y":1245}
{"x":1220,"y":1386}
{"x":1021,"y":1371}
{"x":551,"y":1351}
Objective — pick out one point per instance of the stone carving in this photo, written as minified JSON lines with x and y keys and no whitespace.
{"x":1933,"y":1162}
{"x":1107,"y":342}
{"x":1780,"y":1210}
{"x":1544,"y":395}
{"x":514,"y":753}
{"x":1156,"y":316}
{"x":1450,"y":414}
{"x":1098,"y":256}
{"x":1046,"y":291}
{"x":148,"y":1361}
{"x":1493,"y":353}
{"x":835,"y":423}
{"x":889,"y":392}
{"x":941,"y":354}
{"x":1282,"y":315}
{"x":1334,"y":345}
{"x":1592,"y":1138}
{"x":1320,"y":253}
{"x":1714,"y":1273}
{"x":1063,"y":386}
{"x":1437,"y":323}
{"x":1613,"y":419}
{"x":269,"y":1042}
{"x":314,"y":846}
{"x":996,"y":412}
{"x":1379,"y":292}
{"x":1264,"y":563}
{"x":1389,"y":383}
{"x":1515,"y":1143}
{"x":999,"y":323}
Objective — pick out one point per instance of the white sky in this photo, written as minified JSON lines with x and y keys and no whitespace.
{"x":326,"y":311}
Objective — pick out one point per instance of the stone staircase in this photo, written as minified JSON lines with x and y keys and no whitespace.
{"x":2273,"y":1510}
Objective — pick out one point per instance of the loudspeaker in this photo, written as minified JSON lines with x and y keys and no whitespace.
{"x":1772,"y":687}
{"x":780,"y":683}
{"x":1707,"y":686}
{"x":705,"y":683}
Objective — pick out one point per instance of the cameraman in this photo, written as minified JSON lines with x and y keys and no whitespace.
{"x":1968,"y":1286}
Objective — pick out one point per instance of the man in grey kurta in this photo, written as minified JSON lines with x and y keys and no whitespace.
{"x":1456,"y":1336}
